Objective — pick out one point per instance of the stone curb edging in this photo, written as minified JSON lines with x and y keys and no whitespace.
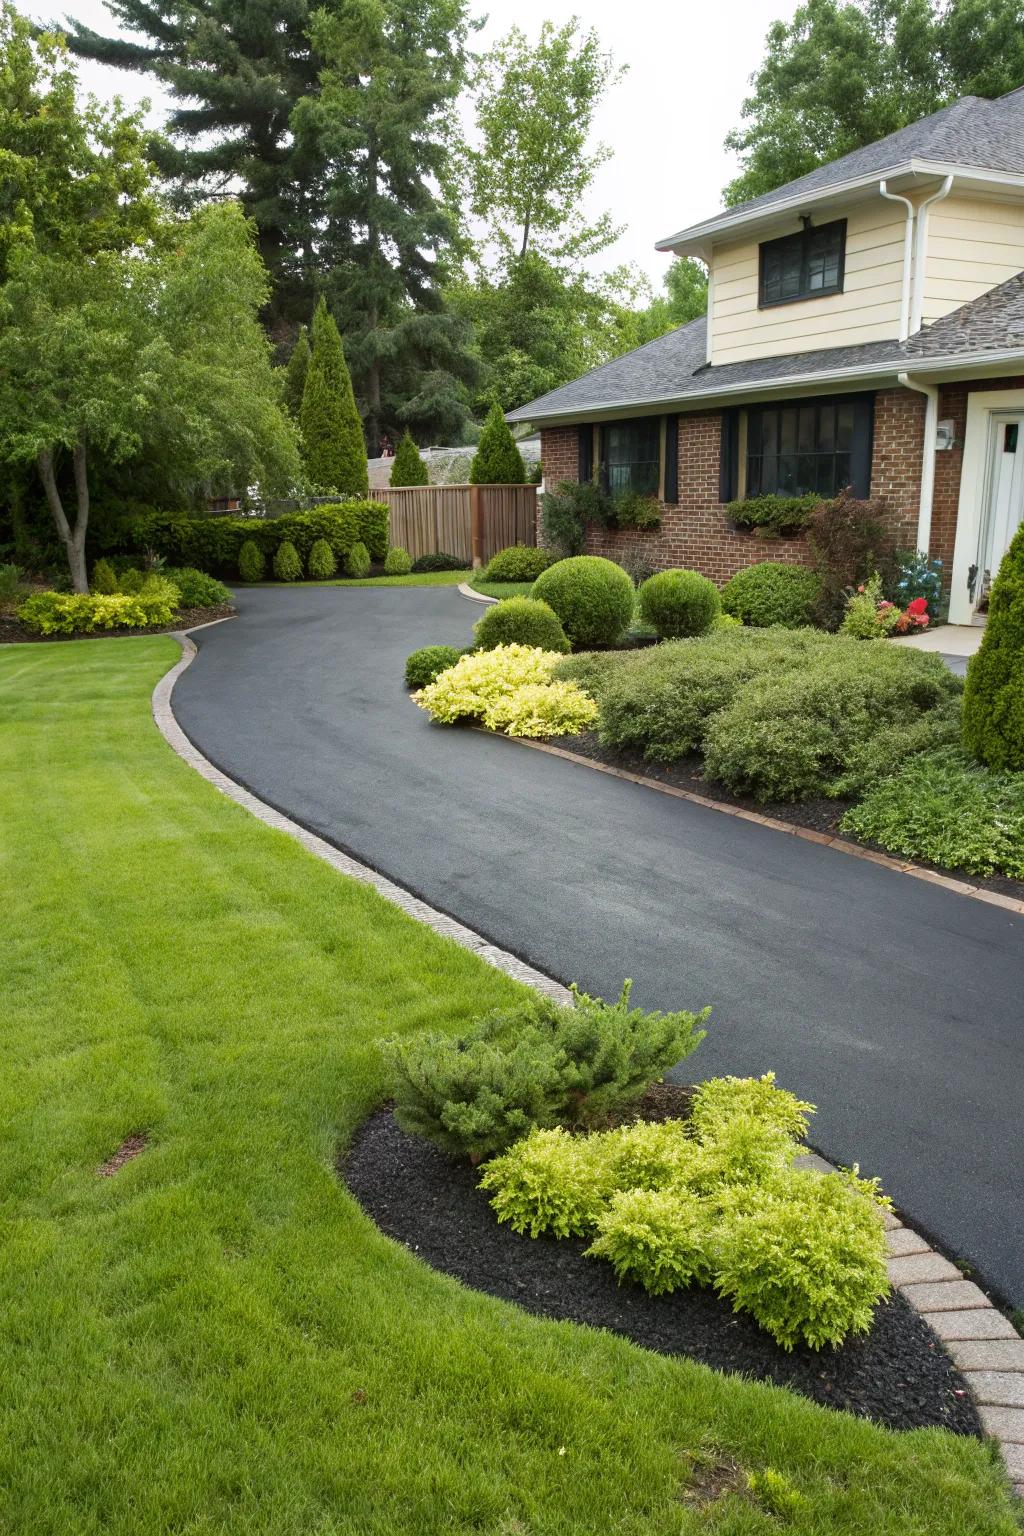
{"x":838,"y":844}
{"x":475,"y":597}
{"x":440,"y":922}
{"x":984,"y":1345}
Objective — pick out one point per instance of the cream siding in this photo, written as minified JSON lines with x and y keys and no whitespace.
{"x":973,"y":245}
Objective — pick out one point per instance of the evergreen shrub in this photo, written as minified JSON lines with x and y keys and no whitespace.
{"x":523,"y":621}
{"x":321,"y":564}
{"x":287,"y":565}
{"x":593,"y":598}
{"x":422,"y":666}
{"x":772,"y":593}
{"x":678,"y":604}
{"x":357,"y":561}
{"x":518,"y":562}
{"x":497,"y":460}
{"x":252,"y":564}
{"x":397,"y":561}
{"x":994,"y":696}
{"x":408,"y":467}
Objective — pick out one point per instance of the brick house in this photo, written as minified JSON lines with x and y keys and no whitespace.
{"x":865,"y":329}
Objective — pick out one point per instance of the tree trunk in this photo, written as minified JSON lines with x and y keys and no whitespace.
{"x":73,"y":539}
{"x":526,"y":232}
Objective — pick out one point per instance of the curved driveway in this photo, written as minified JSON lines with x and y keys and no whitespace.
{"x":895,"y":1006}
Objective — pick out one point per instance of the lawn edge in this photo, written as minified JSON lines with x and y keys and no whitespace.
{"x":412,"y":906}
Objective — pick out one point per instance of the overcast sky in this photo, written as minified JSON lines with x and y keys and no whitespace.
{"x":688,"y":68}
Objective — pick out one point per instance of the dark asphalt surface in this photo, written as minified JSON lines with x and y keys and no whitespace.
{"x":895,"y":1006}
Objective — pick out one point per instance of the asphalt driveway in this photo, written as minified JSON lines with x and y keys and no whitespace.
{"x":895,"y":1006}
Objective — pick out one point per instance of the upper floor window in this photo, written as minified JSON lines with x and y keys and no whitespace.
{"x":803,"y":266}
{"x":632,"y":456}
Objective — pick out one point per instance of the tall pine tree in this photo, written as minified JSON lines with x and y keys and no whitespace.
{"x":295,"y":373}
{"x":333,"y":449}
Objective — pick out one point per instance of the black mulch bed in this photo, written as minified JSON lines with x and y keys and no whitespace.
{"x":14,"y":633}
{"x":820,"y":815}
{"x":898,"y":1375}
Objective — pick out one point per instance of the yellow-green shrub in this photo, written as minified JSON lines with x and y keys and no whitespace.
{"x":723,"y":1099}
{"x":657,"y":1237}
{"x":542,"y":709}
{"x":549,"y":1182}
{"x":83,"y":613}
{"x":508,"y":689}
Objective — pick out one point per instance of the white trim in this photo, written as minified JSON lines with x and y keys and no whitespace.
{"x":973,"y":479}
{"x":920,"y":251}
{"x":908,"y":251}
{"x":931,"y":421}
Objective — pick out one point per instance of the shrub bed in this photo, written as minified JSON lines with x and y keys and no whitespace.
{"x":83,"y":613}
{"x":214,"y":543}
{"x":523,"y":621}
{"x":508,"y":689}
{"x":772,"y":593}
{"x":593,"y":598}
{"x":519,"y":562}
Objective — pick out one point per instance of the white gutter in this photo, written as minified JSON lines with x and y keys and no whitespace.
{"x":931,"y":421}
{"x":908,"y":234}
{"x":919,"y":251}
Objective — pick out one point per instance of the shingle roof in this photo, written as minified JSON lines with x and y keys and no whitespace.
{"x":973,"y":131}
{"x":674,"y":367}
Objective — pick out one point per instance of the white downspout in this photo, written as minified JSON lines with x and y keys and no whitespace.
{"x":894,"y":197}
{"x":919,"y":251}
{"x":931,"y":421}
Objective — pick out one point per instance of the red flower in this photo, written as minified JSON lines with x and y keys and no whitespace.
{"x":918,"y":606}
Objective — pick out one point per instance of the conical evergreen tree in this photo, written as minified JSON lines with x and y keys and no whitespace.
{"x":295,"y":373}
{"x":333,"y":446}
{"x":993,"y":726}
{"x":408,"y":468}
{"x":497,"y":460}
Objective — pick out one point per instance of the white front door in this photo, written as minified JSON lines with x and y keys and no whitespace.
{"x":1004,"y":510}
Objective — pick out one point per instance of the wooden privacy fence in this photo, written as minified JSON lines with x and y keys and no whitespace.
{"x":470,"y":521}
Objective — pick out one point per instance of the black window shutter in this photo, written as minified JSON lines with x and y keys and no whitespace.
{"x":728,"y":473}
{"x":671,"y":460}
{"x":586,"y":454}
{"x":860,"y":453}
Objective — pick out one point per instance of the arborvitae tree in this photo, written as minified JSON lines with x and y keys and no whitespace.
{"x":333,"y":447}
{"x":408,"y":468}
{"x":497,"y":460}
{"x":993,"y":726}
{"x":295,"y":373}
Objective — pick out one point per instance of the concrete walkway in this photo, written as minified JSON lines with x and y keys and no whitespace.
{"x":892,"y":1004}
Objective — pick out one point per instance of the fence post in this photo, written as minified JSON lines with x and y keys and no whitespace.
{"x":476,"y":524}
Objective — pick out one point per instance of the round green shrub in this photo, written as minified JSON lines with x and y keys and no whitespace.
{"x":593,"y":598}
{"x":441,"y":561}
{"x":251,"y":564}
{"x":322,"y":564}
{"x":679,"y":604}
{"x":287,"y":565}
{"x":104,"y":579}
{"x":520,"y":621}
{"x":357,"y":562}
{"x":197,"y":589}
{"x":994,"y":696}
{"x":519,"y":562}
{"x":429,"y":662}
{"x":397,"y":561}
{"x":772,"y":593}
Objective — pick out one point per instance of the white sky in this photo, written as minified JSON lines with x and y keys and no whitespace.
{"x":689,"y":65}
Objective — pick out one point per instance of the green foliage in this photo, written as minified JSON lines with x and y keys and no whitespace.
{"x":679,"y":603}
{"x":333,"y":446}
{"x":440,"y":561}
{"x":776,"y":514}
{"x":397,"y":561}
{"x":497,"y":460}
{"x":422,"y":666}
{"x":104,"y":578}
{"x":565,"y":513}
{"x":549,"y":1181}
{"x":777,"y":1495}
{"x":592,"y":670}
{"x":252,"y":564}
{"x":629,"y":509}
{"x":593,"y":598}
{"x":509,"y":689}
{"x":848,"y":541}
{"x":656,"y":1237}
{"x":994,"y":697}
{"x":522,"y":620}
{"x":538,"y":1064}
{"x":214,"y":543}
{"x":196,"y":589}
{"x":295,"y":373}
{"x":131,"y":581}
{"x":519,"y":562}
{"x":287,"y":565}
{"x":357,"y":561}
{"x":944,"y":808}
{"x":721,"y":1100}
{"x":321,"y":564}
{"x":83,"y":613}
{"x":542,"y":709}
{"x":772,"y":593}
{"x":409,"y":467}
{"x":12,"y":581}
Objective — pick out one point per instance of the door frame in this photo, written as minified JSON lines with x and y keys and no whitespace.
{"x":975,"y":480}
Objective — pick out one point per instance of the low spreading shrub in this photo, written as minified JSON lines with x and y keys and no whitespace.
{"x":427,"y":663}
{"x":438,"y":562}
{"x":549,"y":1182}
{"x":104,"y":578}
{"x":536,"y":1064}
{"x":322,"y":564}
{"x":287,"y":565}
{"x":943,"y":807}
{"x":504,"y":688}
{"x":720,"y":1101}
{"x":656,"y":1237}
{"x":197,"y":590}
{"x":252,"y":565}
{"x":593,"y":671}
{"x":678,"y":604}
{"x":542,"y":709}
{"x":593,"y":598}
{"x":775,"y":514}
{"x":519,"y":562}
{"x":772,"y":593}
{"x":521,"y":621}
{"x":83,"y":613}
{"x":397,"y":561}
{"x":994,"y":697}
{"x":357,"y":562}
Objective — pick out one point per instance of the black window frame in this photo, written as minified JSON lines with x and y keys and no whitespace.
{"x":859,"y":451}
{"x":653,"y":425}
{"x":802,"y":241}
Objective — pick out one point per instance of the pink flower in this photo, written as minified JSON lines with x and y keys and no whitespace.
{"x":918,"y":606}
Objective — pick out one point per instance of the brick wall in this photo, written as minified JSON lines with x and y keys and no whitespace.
{"x":948,"y":464}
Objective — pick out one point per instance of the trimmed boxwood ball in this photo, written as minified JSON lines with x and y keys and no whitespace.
{"x":287,"y":565}
{"x":519,"y":562}
{"x":429,"y":662}
{"x":679,"y":604}
{"x":520,"y":621}
{"x":397,"y":561}
{"x":357,"y":562}
{"x":994,"y":696}
{"x":251,"y":564}
{"x":772,"y":593}
{"x":592,"y":596}
{"x":322,"y":564}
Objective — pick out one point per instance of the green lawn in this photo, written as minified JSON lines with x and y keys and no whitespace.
{"x":420,"y":579}
{"x":216,"y":1340}
{"x":501,"y":588}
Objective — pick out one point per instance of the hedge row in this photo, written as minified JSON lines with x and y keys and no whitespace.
{"x":212,"y":543}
